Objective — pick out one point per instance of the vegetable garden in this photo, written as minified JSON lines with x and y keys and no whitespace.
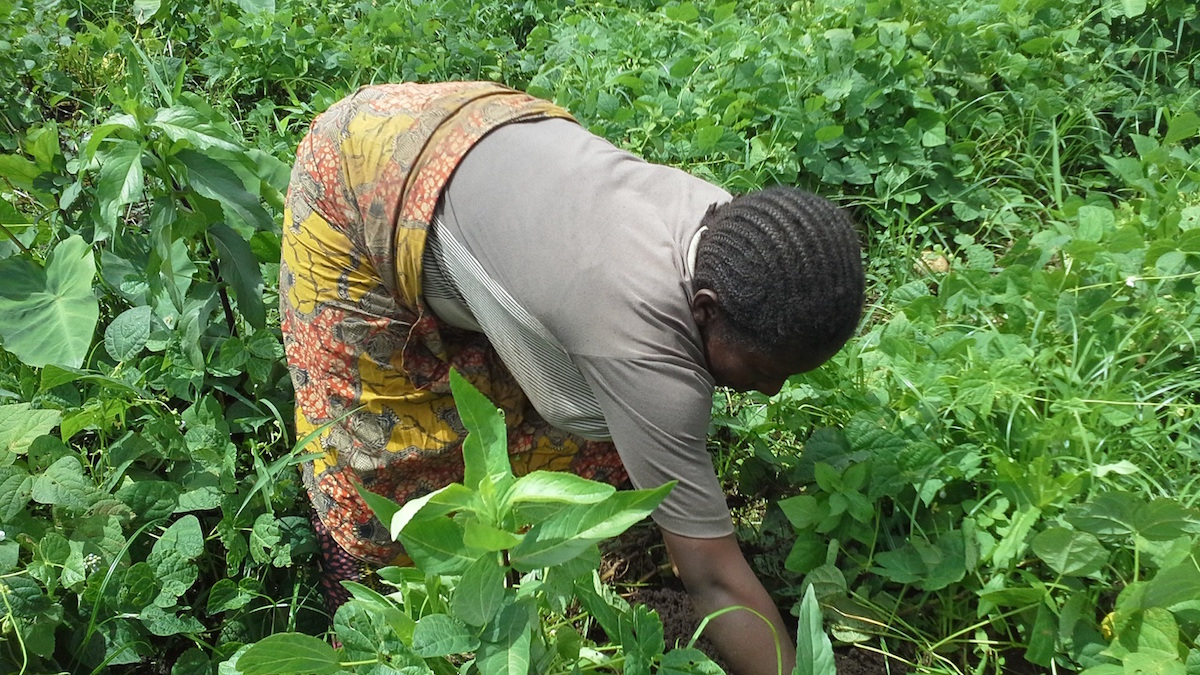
{"x":1000,"y":473}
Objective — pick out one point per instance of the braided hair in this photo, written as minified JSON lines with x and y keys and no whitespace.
{"x":786,"y":267}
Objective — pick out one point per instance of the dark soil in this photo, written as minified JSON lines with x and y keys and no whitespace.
{"x":636,"y":564}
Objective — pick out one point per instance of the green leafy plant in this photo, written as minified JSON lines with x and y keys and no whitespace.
{"x":501,"y":566}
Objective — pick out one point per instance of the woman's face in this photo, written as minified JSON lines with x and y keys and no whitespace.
{"x":741,"y":368}
{"x":738,"y":366}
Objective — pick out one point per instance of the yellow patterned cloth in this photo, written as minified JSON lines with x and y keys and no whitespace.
{"x":362,"y":347}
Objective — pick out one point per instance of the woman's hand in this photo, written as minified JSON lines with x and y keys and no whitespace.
{"x":717,"y":576}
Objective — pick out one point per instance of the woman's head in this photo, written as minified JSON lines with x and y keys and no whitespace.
{"x":778,"y":273}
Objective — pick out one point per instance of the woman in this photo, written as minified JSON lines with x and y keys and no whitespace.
{"x":596,"y":298}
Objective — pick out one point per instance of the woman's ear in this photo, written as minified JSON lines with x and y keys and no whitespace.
{"x":706,"y":309}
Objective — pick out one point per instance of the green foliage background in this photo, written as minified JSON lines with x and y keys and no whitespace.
{"x":1001,"y":469}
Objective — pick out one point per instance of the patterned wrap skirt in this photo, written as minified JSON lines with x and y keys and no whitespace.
{"x":363,"y":349}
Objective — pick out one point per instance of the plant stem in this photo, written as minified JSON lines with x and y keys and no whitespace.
{"x":13,"y":237}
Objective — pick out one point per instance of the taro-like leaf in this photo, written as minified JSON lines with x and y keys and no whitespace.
{"x":480,"y":592}
{"x":1069,"y":552}
{"x":20,"y":424}
{"x":485,"y":450}
{"x":240,"y":270}
{"x":127,"y":335}
{"x":814,"y":652}
{"x":289,"y":654}
{"x":442,"y":635}
{"x":48,"y":316}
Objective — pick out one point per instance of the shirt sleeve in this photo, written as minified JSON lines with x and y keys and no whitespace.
{"x":658,"y":412}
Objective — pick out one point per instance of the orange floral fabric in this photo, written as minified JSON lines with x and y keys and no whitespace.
{"x":365,"y":354}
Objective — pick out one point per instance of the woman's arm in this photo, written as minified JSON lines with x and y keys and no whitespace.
{"x":716,"y":576}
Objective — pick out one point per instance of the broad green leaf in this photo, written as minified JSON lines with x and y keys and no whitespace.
{"x":121,"y":179}
{"x":288,"y":653}
{"x":126,"y":336}
{"x":180,"y":123}
{"x":144,"y":10}
{"x":1165,"y":519}
{"x":641,"y":639}
{"x":1094,"y":222}
{"x":1174,"y":587}
{"x":165,"y":622}
{"x":442,"y":635}
{"x":226,"y":595}
{"x":64,"y":484}
{"x":16,"y":489}
{"x":437,"y":547}
{"x":150,"y":499}
{"x":505,"y":642}
{"x":483,"y":536}
{"x":829,"y":133}
{"x":576,"y":528}
{"x":1152,"y":630}
{"x":1133,"y":8}
{"x":140,"y":587}
{"x":687,"y":661}
{"x":685,"y":12}
{"x":485,"y":450}
{"x":383,"y":508}
{"x":453,"y":497}
{"x":557,"y":486}
{"x":1069,"y":552}
{"x":54,"y":376}
{"x":602,"y":602}
{"x":1041,"y":639}
{"x":934,"y":137}
{"x":19,"y":170}
{"x":48,"y":316}
{"x":213,"y":179}
{"x":1014,"y":542}
{"x":240,"y":270}
{"x":192,"y":662}
{"x":21,"y":423}
{"x":253,"y":6}
{"x":480,"y":592}
{"x":183,"y":538}
{"x":1152,"y":663}
{"x":814,"y":652}
{"x":175,"y":575}
{"x":1109,"y":515}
